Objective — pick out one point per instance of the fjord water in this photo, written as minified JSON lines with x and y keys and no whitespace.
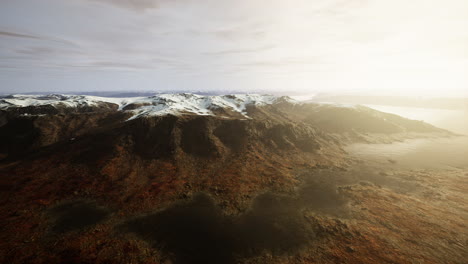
{"x":455,"y":120}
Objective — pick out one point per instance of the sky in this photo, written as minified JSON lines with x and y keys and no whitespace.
{"x":378,"y":47}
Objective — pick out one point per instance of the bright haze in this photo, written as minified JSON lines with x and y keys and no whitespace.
{"x":399,"y":47}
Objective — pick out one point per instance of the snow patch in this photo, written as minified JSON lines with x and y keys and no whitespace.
{"x":157,"y":105}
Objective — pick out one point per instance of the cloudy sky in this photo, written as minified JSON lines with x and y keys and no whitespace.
{"x":409,"y":47}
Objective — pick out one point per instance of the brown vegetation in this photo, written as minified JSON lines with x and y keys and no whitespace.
{"x":115,"y":171}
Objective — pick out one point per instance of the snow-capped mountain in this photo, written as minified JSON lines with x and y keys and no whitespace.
{"x":161,"y":104}
{"x":57,"y":100}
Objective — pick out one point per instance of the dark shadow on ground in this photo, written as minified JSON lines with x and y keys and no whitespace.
{"x":197,"y":231}
{"x":76,"y":215}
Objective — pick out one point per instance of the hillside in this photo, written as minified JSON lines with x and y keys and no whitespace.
{"x":80,"y":173}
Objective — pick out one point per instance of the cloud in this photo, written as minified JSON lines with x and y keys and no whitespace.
{"x":37,"y":37}
{"x":283,"y":62}
{"x":36,"y":51}
{"x":236,"y":33}
{"x":121,"y":65}
{"x":18,"y":35}
{"x":239,"y":51}
{"x":326,"y":43}
{"x":138,"y":5}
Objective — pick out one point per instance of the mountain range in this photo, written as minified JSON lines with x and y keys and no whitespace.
{"x":77,"y":168}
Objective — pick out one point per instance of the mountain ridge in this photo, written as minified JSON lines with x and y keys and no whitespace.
{"x":161,"y":104}
{"x":79,"y":176}
{"x":31,"y":122}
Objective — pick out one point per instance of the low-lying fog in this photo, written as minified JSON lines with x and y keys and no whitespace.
{"x":440,"y":153}
{"x":432,"y":153}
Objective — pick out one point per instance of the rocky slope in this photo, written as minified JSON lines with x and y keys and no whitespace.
{"x":31,"y":122}
{"x":89,"y":180}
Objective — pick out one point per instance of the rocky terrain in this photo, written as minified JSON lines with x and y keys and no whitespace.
{"x":182,"y":178}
